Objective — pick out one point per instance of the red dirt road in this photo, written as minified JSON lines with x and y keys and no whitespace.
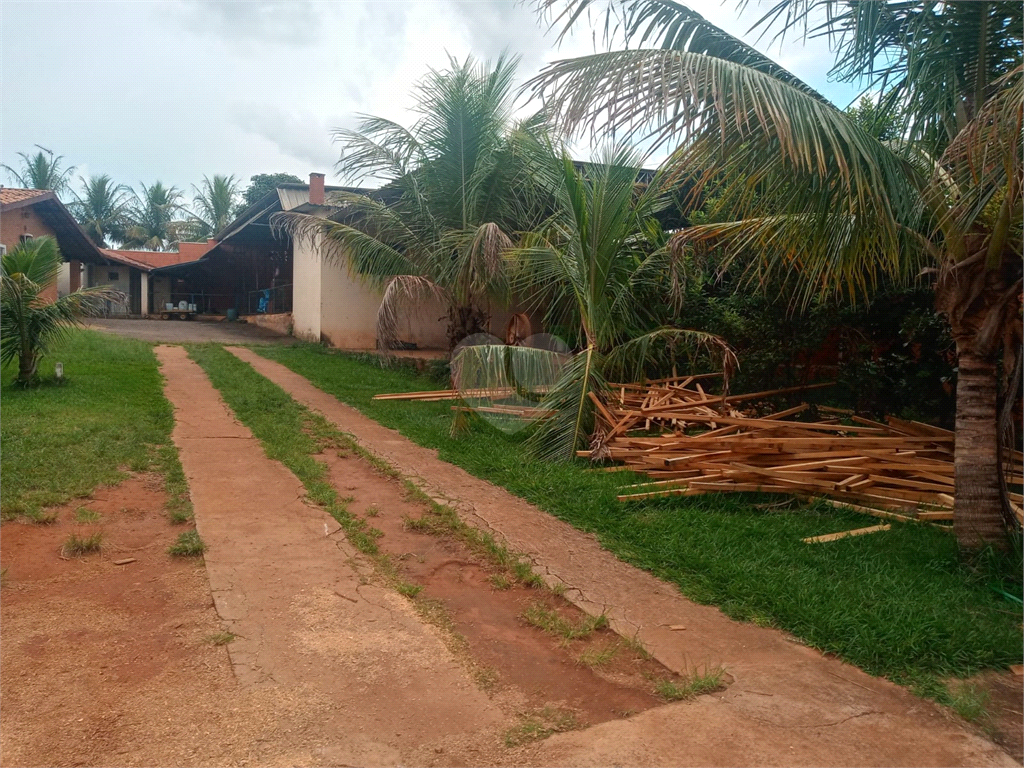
{"x":789,"y":705}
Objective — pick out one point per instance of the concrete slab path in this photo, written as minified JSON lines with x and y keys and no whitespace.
{"x":293,"y":590}
{"x":788,"y":704}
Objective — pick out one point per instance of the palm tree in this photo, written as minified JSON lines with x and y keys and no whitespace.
{"x":215,"y":205}
{"x":102,"y":209}
{"x":42,"y":170}
{"x":821,"y":200}
{"x":442,"y":223}
{"x":152,"y":214}
{"x":601,"y":266}
{"x":29,"y":323}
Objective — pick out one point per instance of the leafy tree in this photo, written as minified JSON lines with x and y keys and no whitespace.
{"x":601,"y":266}
{"x":215,"y":204}
{"x":881,"y":124}
{"x":43,"y":170}
{"x":30,"y":324}
{"x":152,"y":214}
{"x":441,"y":224}
{"x":828,"y":207}
{"x":262,"y":184}
{"x":102,"y":209}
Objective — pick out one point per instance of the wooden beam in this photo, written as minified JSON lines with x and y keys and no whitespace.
{"x":846,"y":534}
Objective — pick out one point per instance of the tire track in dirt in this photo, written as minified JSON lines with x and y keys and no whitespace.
{"x":293,"y":590}
{"x":790,"y":705}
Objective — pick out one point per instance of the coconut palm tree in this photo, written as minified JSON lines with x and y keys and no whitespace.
{"x":601,"y":266}
{"x":822,"y":201}
{"x":42,"y":170}
{"x":153,"y":224}
{"x":442,"y":222}
{"x":29,"y":323}
{"x":102,"y":209}
{"x":215,"y":204}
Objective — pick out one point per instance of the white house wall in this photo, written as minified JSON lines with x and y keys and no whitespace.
{"x":99,"y":274}
{"x":306,"y":290}
{"x":348,"y":308}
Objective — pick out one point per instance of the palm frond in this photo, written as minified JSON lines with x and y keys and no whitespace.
{"x":400,"y":290}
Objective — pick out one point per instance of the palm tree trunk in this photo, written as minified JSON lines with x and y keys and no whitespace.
{"x":28,"y":362}
{"x":977,"y":516}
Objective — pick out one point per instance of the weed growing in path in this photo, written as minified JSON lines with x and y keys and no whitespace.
{"x":86,"y":515}
{"x":540,"y":725}
{"x":82,"y":545}
{"x":599,"y":657}
{"x":188,"y":544}
{"x":694,"y":684}
{"x":552,"y":622}
{"x":221,"y":638}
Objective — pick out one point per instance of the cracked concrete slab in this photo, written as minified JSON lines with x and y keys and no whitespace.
{"x":788,"y":704}
{"x":298,"y":600}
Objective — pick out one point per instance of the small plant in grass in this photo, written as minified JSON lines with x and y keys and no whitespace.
{"x":634,"y":644}
{"x":82,"y":545}
{"x":695,"y":684}
{"x":42,"y":516}
{"x":540,"y":725}
{"x":969,"y":701}
{"x":599,"y":657}
{"x":552,"y":622}
{"x":221,"y":638}
{"x":500,"y":581}
{"x":188,"y":544}
{"x":408,"y":589}
{"x":180,"y":516}
{"x":525,"y":575}
{"x":372,"y":511}
{"x":86,"y":515}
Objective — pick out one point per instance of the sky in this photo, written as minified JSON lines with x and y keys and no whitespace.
{"x":173,"y":90}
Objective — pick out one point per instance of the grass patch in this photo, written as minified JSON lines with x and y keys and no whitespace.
{"x":408,"y":589}
{"x":86,"y":515}
{"x":372,"y":511}
{"x":599,"y":657}
{"x":109,"y":416}
{"x":76,"y":545}
{"x":551,"y":621}
{"x":695,"y":684}
{"x":221,"y":638}
{"x":969,"y":701}
{"x":540,"y":725}
{"x":188,"y":544}
{"x":903,"y":604}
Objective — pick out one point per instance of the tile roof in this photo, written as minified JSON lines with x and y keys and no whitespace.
{"x":147,"y":260}
{"x":9,"y":195}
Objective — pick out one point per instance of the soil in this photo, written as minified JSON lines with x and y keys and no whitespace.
{"x":188,"y":331}
{"x":529,"y":668}
{"x":788,"y":704}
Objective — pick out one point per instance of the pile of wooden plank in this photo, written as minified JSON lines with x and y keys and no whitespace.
{"x":689,"y":442}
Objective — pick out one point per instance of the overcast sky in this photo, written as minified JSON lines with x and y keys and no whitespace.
{"x":175,"y":89}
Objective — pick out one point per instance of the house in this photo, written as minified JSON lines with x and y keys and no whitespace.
{"x":133,"y":273}
{"x":30,"y":213}
{"x":286,"y":284}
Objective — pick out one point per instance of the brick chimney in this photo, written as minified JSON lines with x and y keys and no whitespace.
{"x":316,"y":189}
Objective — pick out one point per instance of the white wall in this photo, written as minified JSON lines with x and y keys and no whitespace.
{"x":64,"y":279}
{"x":306,"y":270}
{"x":348,"y":308}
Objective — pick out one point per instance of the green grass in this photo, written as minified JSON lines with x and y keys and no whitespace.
{"x":188,"y":544}
{"x":696,"y":683}
{"x":109,"y":416}
{"x":540,"y":725}
{"x":539,"y":615}
{"x":82,"y":545}
{"x":902,"y":604}
{"x":599,"y":656}
{"x":86,"y":515}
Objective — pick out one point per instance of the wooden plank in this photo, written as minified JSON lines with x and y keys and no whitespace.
{"x":846,"y":534}
{"x":944,"y":515}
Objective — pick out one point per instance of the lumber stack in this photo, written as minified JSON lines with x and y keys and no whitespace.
{"x":690,"y":442}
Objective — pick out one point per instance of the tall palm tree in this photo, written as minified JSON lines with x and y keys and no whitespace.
{"x":442,"y":223}
{"x":154,"y":225}
{"x":601,"y":266}
{"x":102,"y":209}
{"x":43,"y":170}
{"x":215,"y":204}
{"x":29,"y":323}
{"x":821,"y":200}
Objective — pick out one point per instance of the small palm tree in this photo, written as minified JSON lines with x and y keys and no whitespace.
{"x":441,"y":223}
{"x":102,"y":209}
{"x":42,"y":170}
{"x":153,"y":224}
{"x":29,"y":323}
{"x":215,"y":205}
{"x":601,"y":266}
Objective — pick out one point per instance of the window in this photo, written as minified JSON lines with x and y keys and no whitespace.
{"x":113,"y":276}
{"x":25,"y":238}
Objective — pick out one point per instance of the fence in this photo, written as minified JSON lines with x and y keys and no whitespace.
{"x":269,"y":301}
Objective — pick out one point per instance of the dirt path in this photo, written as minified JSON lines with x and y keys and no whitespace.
{"x":789,"y":705}
{"x":189,"y":332}
{"x":309,"y":622}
